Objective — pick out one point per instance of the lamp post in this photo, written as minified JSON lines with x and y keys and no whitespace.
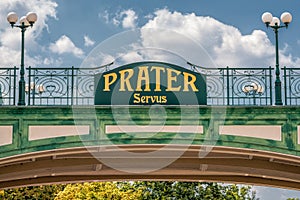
{"x":274,"y":23}
{"x":24,"y":23}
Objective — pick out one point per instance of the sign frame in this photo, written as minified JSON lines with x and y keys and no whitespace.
{"x":150,"y":83}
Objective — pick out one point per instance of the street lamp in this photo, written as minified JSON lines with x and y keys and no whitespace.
{"x":36,"y":89}
{"x":253,"y":89}
{"x":24,"y":23}
{"x":274,"y":23}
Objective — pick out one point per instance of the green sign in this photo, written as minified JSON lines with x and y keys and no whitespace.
{"x":149,"y":83}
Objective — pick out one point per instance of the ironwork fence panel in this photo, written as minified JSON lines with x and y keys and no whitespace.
{"x":61,"y":86}
{"x":8,"y":78}
{"x":250,"y":86}
{"x":239,"y":86}
{"x":291,"y":78}
{"x":216,"y":86}
{"x":75,"y":86}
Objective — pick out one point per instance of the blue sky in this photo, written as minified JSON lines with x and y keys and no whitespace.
{"x":230,"y":32}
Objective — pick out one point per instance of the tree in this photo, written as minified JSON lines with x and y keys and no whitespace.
{"x":194,"y":190}
{"x":100,"y":191}
{"x":141,"y":190}
{"x":46,"y":192}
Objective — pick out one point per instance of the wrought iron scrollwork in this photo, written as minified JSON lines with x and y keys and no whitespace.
{"x":250,"y":87}
{"x":239,"y":86}
{"x":8,"y":86}
{"x":75,"y":86}
{"x":292,"y":86}
{"x":62,"y":86}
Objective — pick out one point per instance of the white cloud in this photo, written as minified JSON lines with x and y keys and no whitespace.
{"x":52,"y":61}
{"x":115,"y":21}
{"x":201,"y":40}
{"x":105,"y":16}
{"x":88,"y":42}
{"x":65,"y":45}
{"x":223,"y":43}
{"x":126,"y":18}
{"x":129,"y":57}
{"x":10,"y":38}
{"x":129,"y":20}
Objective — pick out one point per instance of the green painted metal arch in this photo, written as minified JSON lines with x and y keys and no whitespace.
{"x":28,"y":153}
{"x":97,"y":118}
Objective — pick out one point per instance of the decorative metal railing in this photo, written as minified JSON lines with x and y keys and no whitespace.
{"x":75,"y":86}
{"x":61,"y":86}
{"x":8,"y":78}
{"x":291,"y":79}
{"x":239,"y":86}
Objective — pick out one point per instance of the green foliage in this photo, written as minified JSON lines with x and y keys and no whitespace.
{"x":46,"y":192}
{"x":141,"y":190}
{"x":99,"y":191}
{"x":194,"y":190}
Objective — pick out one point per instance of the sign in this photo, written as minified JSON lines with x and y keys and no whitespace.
{"x":149,"y":83}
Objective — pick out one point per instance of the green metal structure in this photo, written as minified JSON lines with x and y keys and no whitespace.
{"x":30,"y":154}
{"x":61,"y":136}
{"x":22,"y":118}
